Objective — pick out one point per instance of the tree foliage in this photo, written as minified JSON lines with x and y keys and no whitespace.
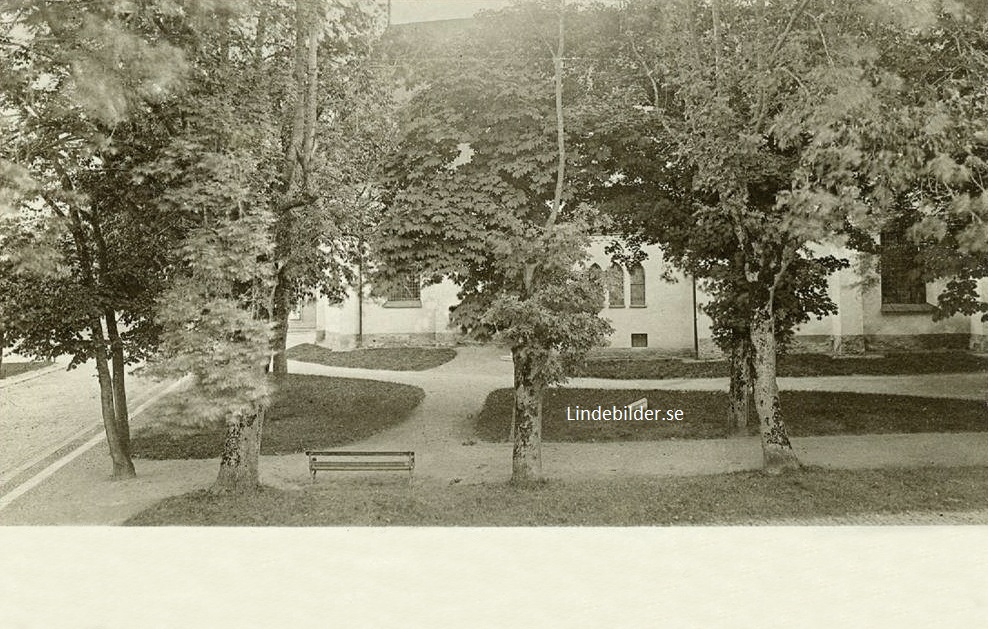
{"x":944,"y":135}
{"x":170,"y":151}
{"x":745,"y":132}
{"x":77,"y":83}
{"x":478,"y":195}
{"x":272,"y":206}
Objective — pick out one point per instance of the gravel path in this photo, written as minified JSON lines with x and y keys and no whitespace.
{"x":440,"y":429}
{"x":440,"y":432}
{"x":41,"y":413}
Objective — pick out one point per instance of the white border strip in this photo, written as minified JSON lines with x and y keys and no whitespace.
{"x":17,"y":471}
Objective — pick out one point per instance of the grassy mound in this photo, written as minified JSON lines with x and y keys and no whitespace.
{"x":806,"y":413}
{"x":10,"y":369}
{"x":388,"y":358}
{"x":307,"y":412}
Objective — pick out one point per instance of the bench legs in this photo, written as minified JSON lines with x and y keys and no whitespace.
{"x":356,"y":461}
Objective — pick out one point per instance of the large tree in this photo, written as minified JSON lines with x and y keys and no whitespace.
{"x":76,"y":82}
{"x":761,"y":123}
{"x":180,"y":142}
{"x":480,"y":196}
{"x":271,"y":205}
{"x":336,"y":117}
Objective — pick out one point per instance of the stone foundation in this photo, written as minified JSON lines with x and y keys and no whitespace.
{"x":826,"y":344}
{"x":848,"y":345}
{"x":423,"y":339}
{"x":979,"y":343}
{"x":810,"y":344}
{"x":638,"y":353}
{"x":708,"y":350}
{"x":916,"y":342}
{"x":851,"y":345}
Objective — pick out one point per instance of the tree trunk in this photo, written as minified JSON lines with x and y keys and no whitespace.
{"x":120,"y":410}
{"x":311,"y":96}
{"x":776,"y":449}
{"x":740,"y":392}
{"x":529,"y":362}
{"x":526,"y":454}
{"x":298,"y":163}
{"x":123,"y":466}
{"x":281,"y":310}
{"x":112,"y":385}
{"x":293,"y":151}
{"x":119,"y":444}
{"x":239,"y":465}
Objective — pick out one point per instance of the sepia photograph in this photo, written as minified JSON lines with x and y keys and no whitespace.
{"x":379,"y":290}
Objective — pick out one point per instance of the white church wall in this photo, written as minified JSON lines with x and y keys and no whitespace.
{"x":666,"y":319}
{"x":665,"y":324}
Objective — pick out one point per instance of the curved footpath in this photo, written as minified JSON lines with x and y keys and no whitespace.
{"x":440,"y":431}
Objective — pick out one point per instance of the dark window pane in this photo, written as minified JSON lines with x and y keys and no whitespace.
{"x":637,"y":285}
{"x":902,"y":279}
{"x":408,"y":288}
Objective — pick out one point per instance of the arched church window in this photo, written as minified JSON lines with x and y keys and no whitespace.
{"x":637,"y":286}
{"x":615,"y":286}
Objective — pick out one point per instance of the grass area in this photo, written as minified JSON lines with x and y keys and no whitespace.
{"x":636,"y":501}
{"x":8,"y":369}
{"x":794,"y":365}
{"x":389,"y":358}
{"x":806,"y":413}
{"x":307,"y":412}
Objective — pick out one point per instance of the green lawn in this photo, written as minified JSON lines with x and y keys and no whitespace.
{"x":389,"y":358}
{"x":307,"y":412}
{"x":635,"y":501}
{"x":704,"y":415}
{"x":10,"y":369}
{"x":795,"y":365}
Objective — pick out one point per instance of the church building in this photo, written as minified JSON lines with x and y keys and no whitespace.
{"x":652,"y":307}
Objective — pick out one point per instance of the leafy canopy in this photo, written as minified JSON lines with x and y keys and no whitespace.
{"x":472,"y":185}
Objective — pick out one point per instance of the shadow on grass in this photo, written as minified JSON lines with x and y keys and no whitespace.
{"x":9,"y":369}
{"x":738,"y":498}
{"x":806,"y":413}
{"x":387,"y":358}
{"x":307,"y":412}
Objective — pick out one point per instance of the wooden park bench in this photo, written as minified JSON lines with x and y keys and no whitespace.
{"x":336,"y":461}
